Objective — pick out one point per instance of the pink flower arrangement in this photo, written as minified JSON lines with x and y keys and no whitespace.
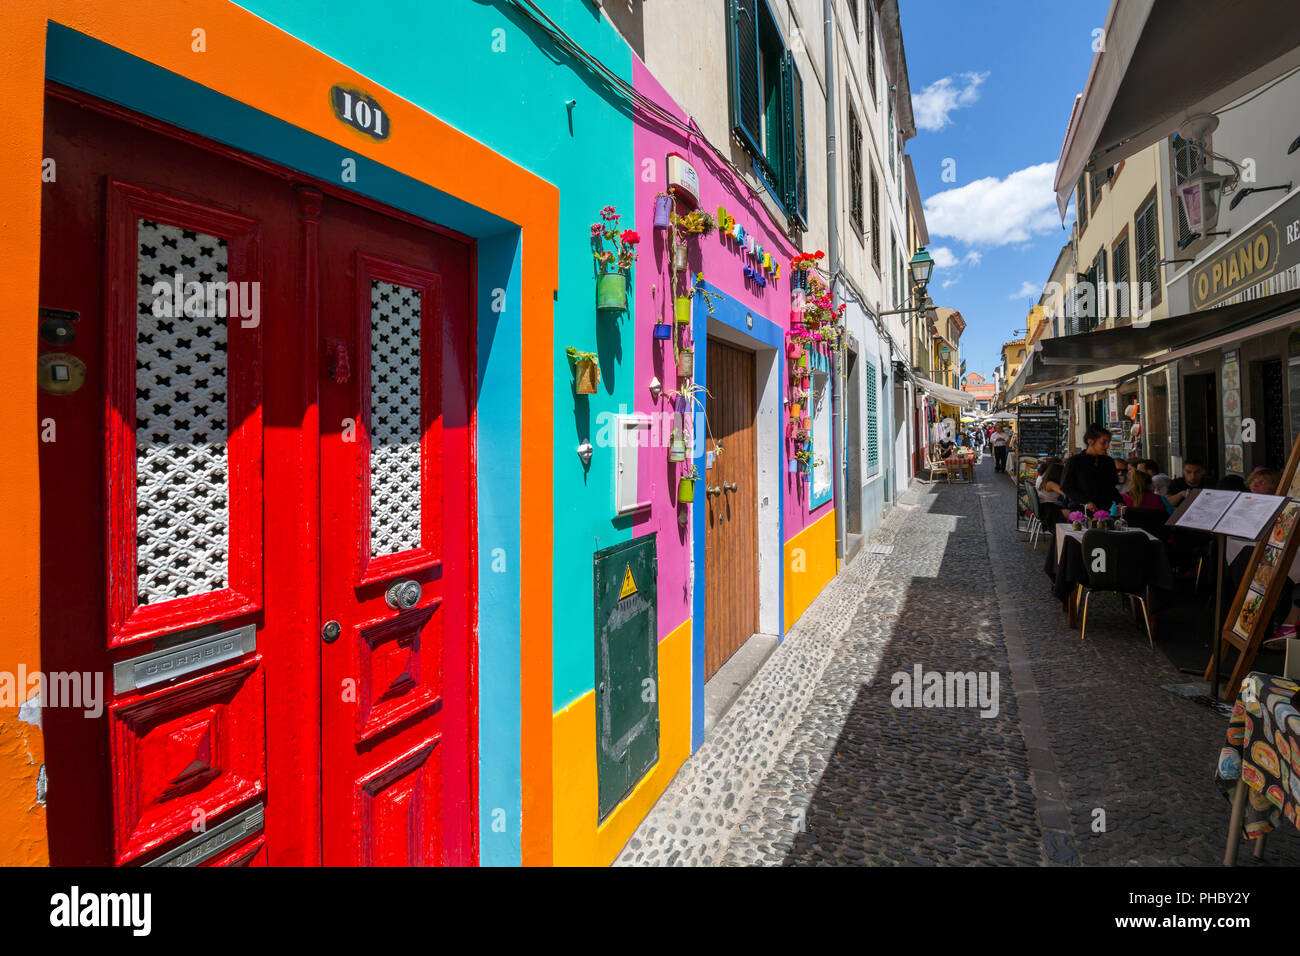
{"x":621,"y":253}
{"x":1077,"y":516}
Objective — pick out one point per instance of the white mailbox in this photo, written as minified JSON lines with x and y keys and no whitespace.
{"x":631,"y":433}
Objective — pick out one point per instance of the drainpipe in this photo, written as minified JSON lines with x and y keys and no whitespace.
{"x":832,"y":245}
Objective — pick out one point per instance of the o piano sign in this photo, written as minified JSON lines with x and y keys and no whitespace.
{"x":360,"y":111}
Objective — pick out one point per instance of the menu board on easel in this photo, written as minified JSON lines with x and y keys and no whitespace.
{"x":1038,"y":433}
{"x":1252,"y":609}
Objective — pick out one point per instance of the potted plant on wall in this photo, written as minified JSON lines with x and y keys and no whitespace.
{"x":686,"y":486}
{"x":663,"y":210}
{"x":586,"y":371}
{"x":685,"y":362}
{"x":613,"y":262}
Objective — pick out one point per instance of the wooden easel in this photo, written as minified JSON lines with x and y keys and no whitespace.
{"x":1248,"y":647}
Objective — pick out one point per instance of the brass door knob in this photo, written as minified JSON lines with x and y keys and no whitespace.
{"x":715,"y":490}
{"x":730,"y":485}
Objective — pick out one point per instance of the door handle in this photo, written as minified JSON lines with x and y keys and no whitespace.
{"x":331,"y":631}
{"x":715,"y":490}
{"x":403,"y":595}
{"x":730,"y":485}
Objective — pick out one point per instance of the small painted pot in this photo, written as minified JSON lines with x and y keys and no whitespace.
{"x":795,"y":408}
{"x":663,"y":330}
{"x":682,"y":309}
{"x":585,"y":377}
{"x":806,"y":382}
{"x":803,"y":360}
{"x":685,"y":363}
{"x":794,"y":465}
{"x":685,"y":490}
{"x":663,"y":206}
{"x":793,"y":349}
{"x":677,"y":447}
{"x":679,"y":258}
{"x":611,"y":292}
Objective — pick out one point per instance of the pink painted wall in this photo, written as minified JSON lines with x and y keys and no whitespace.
{"x":723,"y":265}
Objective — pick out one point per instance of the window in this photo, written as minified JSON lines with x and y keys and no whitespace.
{"x":1147,"y":246}
{"x":1081,"y":203}
{"x":767,"y":104}
{"x":893,"y":269}
{"x":1186,"y":163}
{"x":892,"y":171}
{"x":871,"y":49}
{"x":873,"y":434}
{"x":823,"y":470}
{"x":855,"y":171}
{"x":875,"y":220}
{"x":1120,"y":271}
{"x":1103,"y":297}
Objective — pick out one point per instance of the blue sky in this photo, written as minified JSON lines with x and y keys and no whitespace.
{"x":992,"y":85}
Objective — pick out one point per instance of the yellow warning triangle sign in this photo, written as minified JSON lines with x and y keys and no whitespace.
{"x":629,"y":584}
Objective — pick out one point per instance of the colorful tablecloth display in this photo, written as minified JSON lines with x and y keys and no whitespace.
{"x":1263,"y":750}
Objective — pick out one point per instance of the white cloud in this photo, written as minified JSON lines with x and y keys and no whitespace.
{"x":1028,"y":290}
{"x":943,"y":257}
{"x":932,"y":106}
{"x":972,"y":258}
{"x":997,"y":212}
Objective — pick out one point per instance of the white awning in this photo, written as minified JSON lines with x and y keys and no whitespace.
{"x":1165,"y":62}
{"x":949,"y":396}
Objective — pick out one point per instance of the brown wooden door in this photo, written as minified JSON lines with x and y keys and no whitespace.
{"x":731,"y":524}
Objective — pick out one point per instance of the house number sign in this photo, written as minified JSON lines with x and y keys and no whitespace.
{"x":360,"y":111}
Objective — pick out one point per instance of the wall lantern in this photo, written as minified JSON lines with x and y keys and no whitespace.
{"x":1200,"y":198}
{"x":922,"y":264}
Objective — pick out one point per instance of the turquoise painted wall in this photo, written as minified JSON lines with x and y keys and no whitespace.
{"x":489,"y":71}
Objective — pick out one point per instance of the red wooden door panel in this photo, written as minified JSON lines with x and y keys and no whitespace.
{"x":397,"y":685}
{"x":152,"y":480}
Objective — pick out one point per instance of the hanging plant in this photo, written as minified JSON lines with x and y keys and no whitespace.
{"x":663,"y":210}
{"x":686,"y":485}
{"x":586,"y":370}
{"x":614,"y":250}
{"x":685,"y":363}
{"x":697,"y":223}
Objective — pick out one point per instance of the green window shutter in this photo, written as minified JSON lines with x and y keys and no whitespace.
{"x":873,"y":438}
{"x":1119,"y":269}
{"x":795,"y":188}
{"x":746,"y":93}
{"x":1103,"y":294}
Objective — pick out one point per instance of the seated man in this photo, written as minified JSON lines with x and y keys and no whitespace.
{"x":1090,"y":478}
{"x":1193,"y":477}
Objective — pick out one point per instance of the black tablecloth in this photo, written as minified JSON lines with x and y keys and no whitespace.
{"x":1069,"y":572}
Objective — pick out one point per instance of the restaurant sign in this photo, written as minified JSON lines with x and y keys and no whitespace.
{"x":1267,"y":248}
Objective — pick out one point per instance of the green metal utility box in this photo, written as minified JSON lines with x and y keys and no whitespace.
{"x":625,"y":579}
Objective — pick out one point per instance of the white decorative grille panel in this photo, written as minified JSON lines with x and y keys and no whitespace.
{"x":394,"y":418}
{"x":181,"y":467}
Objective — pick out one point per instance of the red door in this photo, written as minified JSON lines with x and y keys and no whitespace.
{"x":398,"y":576}
{"x":189,"y":553}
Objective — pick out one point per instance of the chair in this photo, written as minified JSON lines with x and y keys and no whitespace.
{"x":1036,"y":525}
{"x":1125,"y":570}
{"x":939,"y":466}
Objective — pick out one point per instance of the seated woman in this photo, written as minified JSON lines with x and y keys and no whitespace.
{"x":1051,"y":495}
{"x":1140,"y":493}
{"x":1263,"y":481}
{"x":1160,"y":485}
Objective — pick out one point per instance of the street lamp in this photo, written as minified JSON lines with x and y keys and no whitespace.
{"x":922,"y":265}
{"x":1200,"y":199}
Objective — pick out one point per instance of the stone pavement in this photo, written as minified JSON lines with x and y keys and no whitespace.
{"x":814,"y":765}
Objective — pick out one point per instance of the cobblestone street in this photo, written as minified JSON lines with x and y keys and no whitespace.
{"x":814,"y":764}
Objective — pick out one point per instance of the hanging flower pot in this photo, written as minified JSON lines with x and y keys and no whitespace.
{"x":663,"y":206}
{"x":679,"y":257}
{"x":794,"y":465}
{"x":663,"y":330}
{"x":794,"y":411}
{"x":611,"y":292}
{"x":806,"y":382}
{"x":682,"y":309}
{"x":586,"y":371}
{"x":586,"y":375}
{"x":805,"y":422}
{"x":685,"y":490}
{"x":793,"y":348}
{"x":685,"y":363}
{"x":677,"y":446}
{"x":803,"y":360}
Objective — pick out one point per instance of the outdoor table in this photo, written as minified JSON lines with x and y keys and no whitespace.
{"x":965,"y":465}
{"x":1065,"y":566}
{"x":1263,"y":751}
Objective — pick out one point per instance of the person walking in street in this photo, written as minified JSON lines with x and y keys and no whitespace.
{"x":1090,"y":477}
{"x":1000,"y":442}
